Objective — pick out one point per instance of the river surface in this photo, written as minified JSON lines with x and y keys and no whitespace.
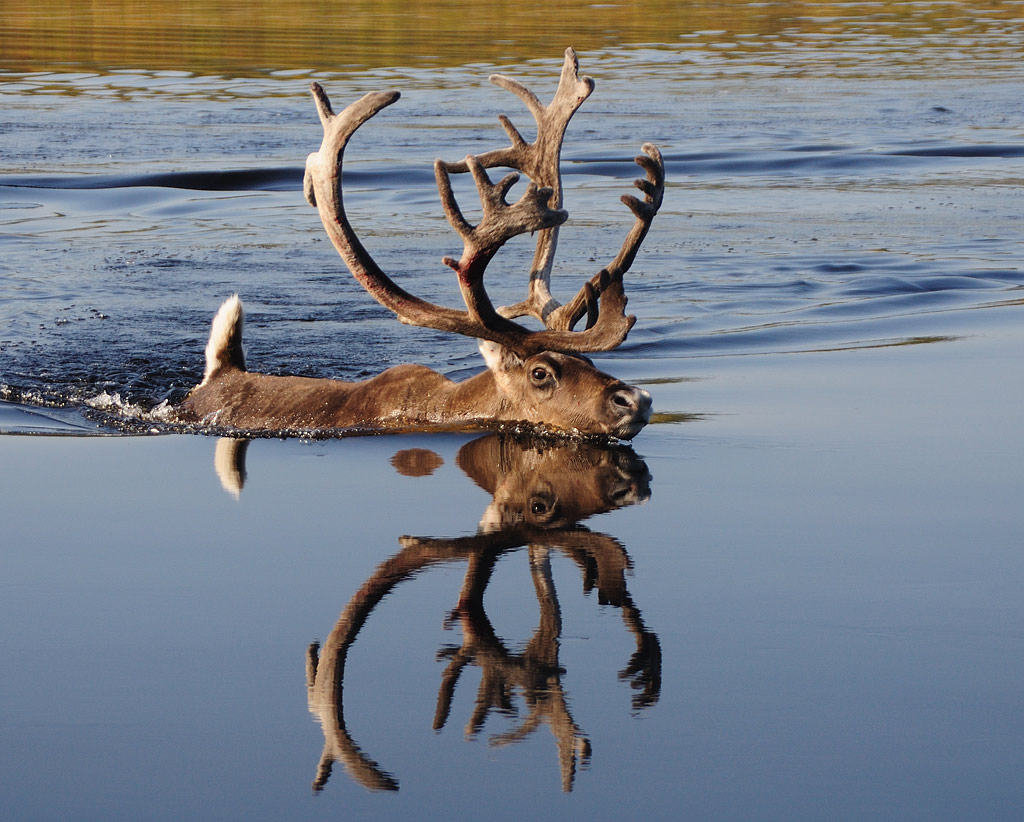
{"x":798,"y":595}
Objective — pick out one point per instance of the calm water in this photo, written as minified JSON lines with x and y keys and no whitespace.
{"x":798,"y":597}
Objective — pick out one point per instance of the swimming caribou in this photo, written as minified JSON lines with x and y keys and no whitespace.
{"x":533,"y":376}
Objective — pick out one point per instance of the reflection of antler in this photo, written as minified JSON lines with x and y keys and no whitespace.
{"x":604,"y":562}
{"x":325,"y":673}
{"x":540,"y":492}
{"x":536,"y":672}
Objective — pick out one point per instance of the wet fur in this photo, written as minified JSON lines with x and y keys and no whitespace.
{"x":574,"y":395}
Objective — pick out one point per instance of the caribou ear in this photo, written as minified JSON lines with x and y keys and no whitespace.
{"x":501,"y":362}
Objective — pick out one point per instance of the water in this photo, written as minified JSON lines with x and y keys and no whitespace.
{"x":799,"y":596}
{"x":802,"y":213}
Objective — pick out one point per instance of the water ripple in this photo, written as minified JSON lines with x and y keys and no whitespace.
{"x":806,"y":215}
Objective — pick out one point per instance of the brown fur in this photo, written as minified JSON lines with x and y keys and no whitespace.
{"x":558,"y":390}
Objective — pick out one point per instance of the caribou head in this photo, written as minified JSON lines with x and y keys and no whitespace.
{"x":540,"y":377}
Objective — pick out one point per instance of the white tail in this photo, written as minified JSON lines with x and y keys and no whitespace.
{"x":224,"y":348}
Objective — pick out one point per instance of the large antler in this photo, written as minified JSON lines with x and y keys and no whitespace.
{"x":323,"y":189}
{"x":537,"y":211}
{"x":541,"y":161}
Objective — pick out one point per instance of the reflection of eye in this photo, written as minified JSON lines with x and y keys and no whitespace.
{"x":621,"y":493}
{"x":543,"y":507}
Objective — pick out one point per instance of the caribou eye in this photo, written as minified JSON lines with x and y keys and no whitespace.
{"x":539,"y":374}
{"x":538,"y":507}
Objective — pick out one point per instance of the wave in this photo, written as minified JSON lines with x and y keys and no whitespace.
{"x":284,"y":178}
{"x":805,"y":159}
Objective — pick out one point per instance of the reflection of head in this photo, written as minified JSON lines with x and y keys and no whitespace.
{"x":552,"y":483}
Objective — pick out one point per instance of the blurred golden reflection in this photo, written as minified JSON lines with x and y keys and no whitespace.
{"x":259,"y":36}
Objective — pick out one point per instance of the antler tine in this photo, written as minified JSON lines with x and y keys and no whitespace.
{"x":500,"y":222}
{"x":540,"y":161}
{"x":338,"y":129}
{"x":653,"y":188}
{"x":606,"y":285}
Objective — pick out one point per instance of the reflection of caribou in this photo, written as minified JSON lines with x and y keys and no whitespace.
{"x":540,"y":494}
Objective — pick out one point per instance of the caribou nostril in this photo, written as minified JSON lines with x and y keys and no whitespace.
{"x":626,"y":401}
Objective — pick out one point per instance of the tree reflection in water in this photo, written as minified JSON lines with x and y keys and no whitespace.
{"x":541,"y":490}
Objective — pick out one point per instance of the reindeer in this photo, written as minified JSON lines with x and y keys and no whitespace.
{"x":534,"y":376}
{"x":541,"y":490}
